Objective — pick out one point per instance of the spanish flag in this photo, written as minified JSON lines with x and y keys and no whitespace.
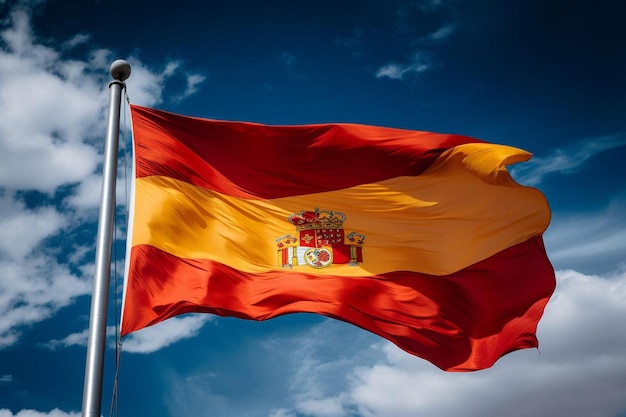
{"x":421,"y":238}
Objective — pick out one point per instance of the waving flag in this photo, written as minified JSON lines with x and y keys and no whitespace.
{"x":421,"y":238}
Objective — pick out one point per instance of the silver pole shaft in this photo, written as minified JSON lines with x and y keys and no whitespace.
{"x":92,"y":391}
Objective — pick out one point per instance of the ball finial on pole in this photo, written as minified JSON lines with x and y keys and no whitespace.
{"x":120,"y":70}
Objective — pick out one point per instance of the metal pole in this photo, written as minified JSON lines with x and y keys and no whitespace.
{"x":92,"y":391}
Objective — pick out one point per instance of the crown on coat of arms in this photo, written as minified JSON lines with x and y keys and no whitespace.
{"x":318,"y":219}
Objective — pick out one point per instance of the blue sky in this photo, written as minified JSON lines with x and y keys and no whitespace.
{"x":548,"y":77}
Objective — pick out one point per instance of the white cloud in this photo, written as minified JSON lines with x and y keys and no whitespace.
{"x":51,"y":140}
{"x":565,"y":160}
{"x":326,"y":407}
{"x":148,"y":340}
{"x":22,"y":229}
{"x":34,"y":288}
{"x":411,"y":19}
{"x":74,"y":339}
{"x":78,"y":39}
{"x":79,"y":339}
{"x":418,"y":64}
{"x":146,"y":86}
{"x":193,"y":80}
{"x":50,"y":106}
{"x":33,"y":413}
{"x":87,"y":193}
{"x":591,"y":241}
{"x":281,"y":412}
{"x":442,"y":33}
{"x":163,"y":334}
{"x":580,"y":369}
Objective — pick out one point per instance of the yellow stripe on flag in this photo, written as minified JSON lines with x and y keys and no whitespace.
{"x":435,"y":223}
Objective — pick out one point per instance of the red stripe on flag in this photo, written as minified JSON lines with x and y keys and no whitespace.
{"x":459,"y":322}
{"x":260,"y":161}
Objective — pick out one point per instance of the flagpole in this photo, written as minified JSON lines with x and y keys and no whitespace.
{"x":92,"y":391}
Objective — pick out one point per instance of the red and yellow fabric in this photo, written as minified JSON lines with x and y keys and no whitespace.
{"x":452,"y":267}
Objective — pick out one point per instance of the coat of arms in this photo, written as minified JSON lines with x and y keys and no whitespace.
{"x":320,"y":241}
